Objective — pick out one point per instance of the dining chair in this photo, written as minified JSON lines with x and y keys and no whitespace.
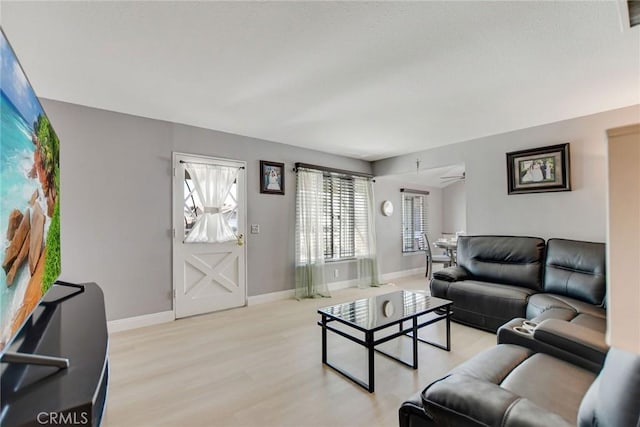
{"x":440,"y":259}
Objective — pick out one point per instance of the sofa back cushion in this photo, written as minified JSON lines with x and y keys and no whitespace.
{"x":575,"y":269}
{"x":503,"y":259}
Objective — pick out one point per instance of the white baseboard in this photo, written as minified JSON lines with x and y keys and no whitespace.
{"x":333,"y":286}
{"x":168,"y":316}
{"x":384,"y":278}
{"x":290,"y":293}
{"x":270,"y":297}
{"x":140,"y":321}
{"x":344,"y":284}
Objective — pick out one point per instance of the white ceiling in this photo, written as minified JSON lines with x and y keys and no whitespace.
{"x":362,"y":79}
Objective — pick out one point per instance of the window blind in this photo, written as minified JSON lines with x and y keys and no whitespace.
{"x":339,"y":217}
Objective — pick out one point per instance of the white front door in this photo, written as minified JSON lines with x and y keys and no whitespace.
{"x":209,"y":205}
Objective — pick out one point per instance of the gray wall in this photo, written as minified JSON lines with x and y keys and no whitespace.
{"x":116,"y":198}
{"x":116,"y":204}
{"x":115,"y":189}
{"x":454,"y":208}
{"x":579,"y":214}
{"x":389,"y":228}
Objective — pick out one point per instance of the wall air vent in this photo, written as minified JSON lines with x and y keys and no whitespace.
{"x":634,"y":12}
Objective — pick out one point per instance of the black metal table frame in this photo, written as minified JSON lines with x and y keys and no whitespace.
{"x":370,"y":342}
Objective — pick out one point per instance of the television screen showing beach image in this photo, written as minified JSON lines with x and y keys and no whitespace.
{"x":29,"y":198}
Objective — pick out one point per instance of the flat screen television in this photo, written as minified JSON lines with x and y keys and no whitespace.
{"x":29,"y":198}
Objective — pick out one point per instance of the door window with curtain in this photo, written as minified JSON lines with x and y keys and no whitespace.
{"x":210,"y":205}
{"x":415,"y":215}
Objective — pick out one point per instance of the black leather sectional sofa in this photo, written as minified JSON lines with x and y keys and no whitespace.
{"x":512,"y":386}
{"x":559,"y":371}
{"x":499,"y":278}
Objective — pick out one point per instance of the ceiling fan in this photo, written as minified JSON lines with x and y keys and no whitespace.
{"x":452,"y":178}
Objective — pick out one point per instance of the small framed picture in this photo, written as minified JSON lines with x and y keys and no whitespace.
{"x":539,"y":170}
{"x":271,"y":177}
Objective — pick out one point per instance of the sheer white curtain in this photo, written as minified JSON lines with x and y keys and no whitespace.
{"x":365,"y":233}
{"x":212,"y":184}
{"x":310,"y":281}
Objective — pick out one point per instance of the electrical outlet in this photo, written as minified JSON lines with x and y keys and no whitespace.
{"x":255,"y":228}
{"x":336,"y":273}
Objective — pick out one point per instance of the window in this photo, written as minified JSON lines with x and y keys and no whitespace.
{"x":334,"y":215}
{"x":345,"y":207}
{"x":338,"y":198}
{"x":193,"y":206}
{"x":414,"y":219}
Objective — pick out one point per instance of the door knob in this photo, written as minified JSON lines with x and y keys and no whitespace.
{"x":240,"y":239}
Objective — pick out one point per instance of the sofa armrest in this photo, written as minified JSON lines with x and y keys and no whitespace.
{"x":451,"y":274}
{"x":463,"y":400}
{"x":411,"y":413}
{"x":584,"y":342}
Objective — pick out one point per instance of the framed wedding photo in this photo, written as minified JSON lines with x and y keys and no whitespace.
{"x":271,"y":177}
{"x":539,"y":170}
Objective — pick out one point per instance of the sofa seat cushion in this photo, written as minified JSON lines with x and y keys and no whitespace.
{"x":494,"y":364}
{"x":552,"y":313}
{"x":508,"y":385}
{"x":532,"y":379}
{"x":490,"y":366}
{"x":596,"y":323}
{"x":462,"y":401}
{"x":487,"y":305}
{"x":540,"y":303}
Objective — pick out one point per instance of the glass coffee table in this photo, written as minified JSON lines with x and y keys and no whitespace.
{"x":370,"y":315}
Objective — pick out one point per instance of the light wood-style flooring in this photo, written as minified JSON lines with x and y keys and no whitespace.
{"x":261,"y":366}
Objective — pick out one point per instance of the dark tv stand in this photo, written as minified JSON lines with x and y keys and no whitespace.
{"x":68,"y":327}
{"x":38,"y":359}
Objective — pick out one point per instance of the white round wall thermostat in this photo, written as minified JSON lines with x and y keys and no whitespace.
{"x":387,"y":208}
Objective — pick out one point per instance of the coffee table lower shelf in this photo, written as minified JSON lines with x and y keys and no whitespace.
{"x":370,"y":342}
